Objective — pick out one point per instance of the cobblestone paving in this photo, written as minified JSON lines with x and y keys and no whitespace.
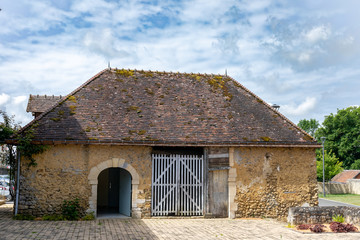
{"x":153,"y":229}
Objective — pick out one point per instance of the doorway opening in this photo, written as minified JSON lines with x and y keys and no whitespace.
{"x":177,"y":181}
{"x":114,"y":193}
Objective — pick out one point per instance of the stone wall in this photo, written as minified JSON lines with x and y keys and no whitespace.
{"x":270,"y":180}
{"x":354,"y":186}
{"x":312,"y":215}
{"x":351,"y":186}
{"x":261,"y":181}
{"x":63,"y":173}
{"x":334,"y":188}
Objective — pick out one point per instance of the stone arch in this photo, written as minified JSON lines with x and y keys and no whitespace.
{"x":116,"y":163}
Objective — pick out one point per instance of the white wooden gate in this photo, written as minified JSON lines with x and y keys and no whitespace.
{"x":177,"y":185}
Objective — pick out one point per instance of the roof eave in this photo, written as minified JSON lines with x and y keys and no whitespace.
{"x":172,"y":143}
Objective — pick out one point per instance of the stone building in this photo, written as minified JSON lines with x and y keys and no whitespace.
{"x":142,"y":144}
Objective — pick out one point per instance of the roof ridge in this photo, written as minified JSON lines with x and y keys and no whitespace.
{"x":270,"y":107}
{"x":40,"y":98}
{"x":157,"y":71}
{"x":62,"y":100}
{"x":45,"y":96}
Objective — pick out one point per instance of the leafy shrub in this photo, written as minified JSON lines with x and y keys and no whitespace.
{"x":71,"y":209}
{"x":88,"y":217}
{"x":303,"y":226}
{"x":341,"y":227}
{"x":23,"y":217}
{"x":338,"y":218}
{"x":317,"y":228}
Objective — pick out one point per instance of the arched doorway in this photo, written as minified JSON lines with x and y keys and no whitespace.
{"x":114,"y":192}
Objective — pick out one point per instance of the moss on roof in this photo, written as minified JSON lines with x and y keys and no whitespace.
{"x":164,"y":107}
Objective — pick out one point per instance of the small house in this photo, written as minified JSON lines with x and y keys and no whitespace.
{"x":346,"y":175}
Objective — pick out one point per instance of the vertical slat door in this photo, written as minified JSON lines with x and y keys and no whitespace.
{"x":177,"y":185}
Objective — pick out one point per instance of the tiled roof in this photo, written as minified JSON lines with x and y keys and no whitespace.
{"x":162,"y":108}
{"x":345,"y":175}
{"x":40,"y":103}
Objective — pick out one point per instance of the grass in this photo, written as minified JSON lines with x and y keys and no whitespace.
{"x":345,"y":198}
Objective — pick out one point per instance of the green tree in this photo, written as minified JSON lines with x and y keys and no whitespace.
{"x":342,"y":132}
{"x":8,"y":156}
{"x":7,"y":128}
{"x":309,"y":126}
{"x":332,"y":165}
{"x":355,"y":165}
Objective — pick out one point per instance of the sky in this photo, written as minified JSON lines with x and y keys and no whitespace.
{"x":301,"y":55}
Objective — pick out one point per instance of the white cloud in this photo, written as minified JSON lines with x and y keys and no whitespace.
{"x":280,"y":50}
{"x":307,"y":45}
{"x":318,"y":33}
{"x":305,"y":107}
{"x":15,"y":106}
{"x":92,"y":6}
{"x":4,"y":98}
{"x":104,"y":43}
{"x":19,"y":16}
{"x":258,"y":5}
{"x":19,"y":100}
{"x":304,"y":57}
{"x":122,"y":15}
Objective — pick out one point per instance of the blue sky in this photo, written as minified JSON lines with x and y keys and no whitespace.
{"x":301,"y":55}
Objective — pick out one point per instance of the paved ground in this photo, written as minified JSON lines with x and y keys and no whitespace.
{"x":153,"y":229}
{"x":325,"y":202}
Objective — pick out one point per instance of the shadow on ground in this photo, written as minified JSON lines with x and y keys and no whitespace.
{"x":97,"y":229}
{"x":155,"y":228}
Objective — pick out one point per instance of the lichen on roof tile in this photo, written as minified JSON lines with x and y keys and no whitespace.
{"x":139,"y":106}
{"x":40,"y":103}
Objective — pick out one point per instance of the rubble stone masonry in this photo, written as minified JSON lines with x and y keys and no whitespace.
{"x":262,"y":181}
{"x":270,"y":180}
{"x":63,"y":173}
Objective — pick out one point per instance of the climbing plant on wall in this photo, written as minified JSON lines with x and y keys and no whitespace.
{"x":26,"y":146}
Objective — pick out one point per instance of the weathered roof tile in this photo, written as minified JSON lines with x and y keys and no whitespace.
{"x":345,"y":175}
{"x":40,"y":103}
{"x":139,"y":107}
